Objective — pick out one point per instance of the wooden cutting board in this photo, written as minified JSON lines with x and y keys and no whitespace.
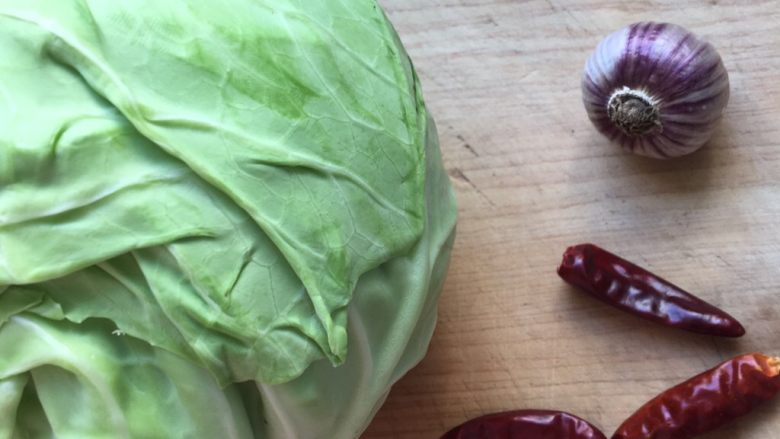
{"x":532,"y":176}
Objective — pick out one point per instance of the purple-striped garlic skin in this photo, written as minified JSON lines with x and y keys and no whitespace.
{"x":655,"y":89}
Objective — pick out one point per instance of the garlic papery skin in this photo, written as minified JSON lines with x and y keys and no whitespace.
{"x":655,"y":89}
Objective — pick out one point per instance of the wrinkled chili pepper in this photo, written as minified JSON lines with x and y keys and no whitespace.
{"x":526,"y":424}
{"x":633,"y":289}
{"x":706,"y":401}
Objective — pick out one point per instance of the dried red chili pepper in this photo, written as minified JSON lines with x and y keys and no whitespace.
{"x":633,"y":289}
{"x":706,"y":401}
{"x":526,"y":424}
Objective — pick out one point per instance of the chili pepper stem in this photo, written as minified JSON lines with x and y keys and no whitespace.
{"x":774,"y":364}
{"x":634,"y":111}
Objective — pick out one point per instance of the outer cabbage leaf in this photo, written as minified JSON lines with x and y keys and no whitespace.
{"x":221,"y":193}
{"x":87,"y":383}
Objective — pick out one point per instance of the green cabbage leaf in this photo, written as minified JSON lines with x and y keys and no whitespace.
{"x":218,"y":219}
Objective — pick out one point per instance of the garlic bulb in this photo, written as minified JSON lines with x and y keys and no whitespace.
{"x":655,"y":89}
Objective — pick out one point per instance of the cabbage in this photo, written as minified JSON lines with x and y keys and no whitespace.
{"x":217,"y":219}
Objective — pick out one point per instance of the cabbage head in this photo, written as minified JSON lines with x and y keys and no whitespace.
{"x":218,"y":219}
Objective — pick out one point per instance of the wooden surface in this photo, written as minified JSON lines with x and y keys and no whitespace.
{"x":532,"y":176}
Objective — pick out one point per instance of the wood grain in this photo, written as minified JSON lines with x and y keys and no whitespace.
{"x":532,"y":176}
